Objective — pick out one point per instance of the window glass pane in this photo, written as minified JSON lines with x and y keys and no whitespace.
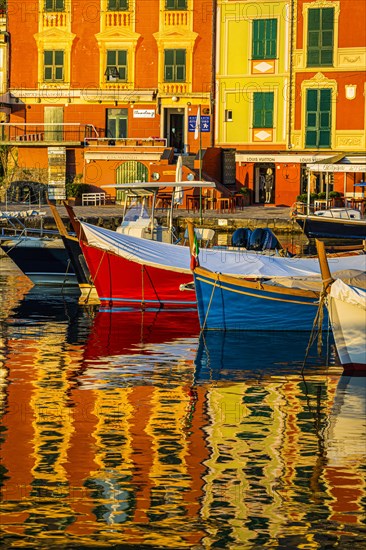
{"x":48,"y":58}
{"x":122,"y":56}
{"x":169,"y":57}
{"x":59,"y":5}
{"x":59,"y":58}
{"x":111,"y":129}
{"x":122,"y":73}
{"x":48,"y":73}
{"x":180,"y":73}
{"x":180,"y":57}
{"x":112,"y":5}
{"x":111,"y":57}
{"x":168,"y":73}
{"x":122,"y":127}
{"x":59,"y":73}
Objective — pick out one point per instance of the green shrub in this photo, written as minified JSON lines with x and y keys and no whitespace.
{"x":304,"y":197}
{"x":335,"y":195}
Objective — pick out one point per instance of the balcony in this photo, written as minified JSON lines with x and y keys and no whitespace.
{"x":29,"y":134}
{"x":117,"y":19}
{"x":174,"y":88}
{"x":177,"y":18}
{"x":55,"y":20}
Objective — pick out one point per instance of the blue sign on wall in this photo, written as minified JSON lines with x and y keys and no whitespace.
{"x":205,"y":123}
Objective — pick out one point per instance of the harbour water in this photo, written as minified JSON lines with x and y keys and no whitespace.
{"x":129,"y":430}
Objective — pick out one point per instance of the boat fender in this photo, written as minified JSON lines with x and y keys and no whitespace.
{"x":256,"y":239}
{"x":241,"y":237}
{"x":269,"y":241}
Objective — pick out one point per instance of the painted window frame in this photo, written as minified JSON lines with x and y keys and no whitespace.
{"x":264,"y":38}
{"x":54,"y":66}
{"x":118,"y":5}
{"x":175,"y":66}
{"x":54,"y":5}
{"x":320,"y":37}
{"x":120,"y":64}
{"x":263,"y":109}
{"x":177,"y":5}
{"x":117,"y":115}
{"x":320,"y":119}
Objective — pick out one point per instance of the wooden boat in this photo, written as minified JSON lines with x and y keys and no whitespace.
{"x":335,"y":223}
{"x":43,"y":259}
{"x":346,"y":305}
{"x":128,"y":270}
{"x":272,"y":303}
{"x":88,"y":293}
{"x":40,"y":254}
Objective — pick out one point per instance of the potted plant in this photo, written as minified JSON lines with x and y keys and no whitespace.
{"x":337,"y":198}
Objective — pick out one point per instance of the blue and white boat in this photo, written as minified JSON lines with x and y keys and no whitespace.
{"x":281,"y":295}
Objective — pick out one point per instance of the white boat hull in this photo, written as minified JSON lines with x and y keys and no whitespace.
{"x":347,"y":311}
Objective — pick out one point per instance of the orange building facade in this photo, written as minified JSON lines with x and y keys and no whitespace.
{"x":120,"y":80}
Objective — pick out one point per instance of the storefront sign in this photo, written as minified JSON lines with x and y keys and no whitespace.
{"x":295,"y":159}
{"x":144,"y":113}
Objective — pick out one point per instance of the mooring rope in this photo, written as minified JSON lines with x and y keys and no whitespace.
{"x":209,"y":304}
{"x":316,"y":330}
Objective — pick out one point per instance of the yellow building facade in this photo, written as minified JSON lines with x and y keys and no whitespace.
{"x":252,"y":74}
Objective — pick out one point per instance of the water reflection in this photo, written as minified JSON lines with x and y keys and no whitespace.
{"x":128,"y":429}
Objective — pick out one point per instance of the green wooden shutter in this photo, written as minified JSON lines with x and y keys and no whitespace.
{"x":268,"y":110}
{"x":263,"y":110}
{"x":318,"y":118}
{"x":264,"y":45}
{"x":271,"y":38}
{"x":320,"y":37}
{"x":258,"y":39}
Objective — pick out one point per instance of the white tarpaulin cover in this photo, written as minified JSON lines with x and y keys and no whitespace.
{"x":349,"y":294}
{"x":240,"y":262}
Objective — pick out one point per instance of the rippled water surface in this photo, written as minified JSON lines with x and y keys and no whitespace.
{"x":127,"y":429}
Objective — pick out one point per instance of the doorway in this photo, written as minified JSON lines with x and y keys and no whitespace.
{"x":264,"y":183}
{"x":174,"y":129}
